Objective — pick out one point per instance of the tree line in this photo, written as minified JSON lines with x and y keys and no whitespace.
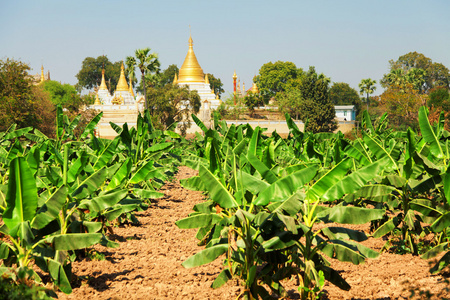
{"x":413,"y":80}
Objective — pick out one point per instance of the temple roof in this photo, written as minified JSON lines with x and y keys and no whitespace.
{"x":191,"y":71}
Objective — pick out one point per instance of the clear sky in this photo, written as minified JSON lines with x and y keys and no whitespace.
{"x":345,"y":40}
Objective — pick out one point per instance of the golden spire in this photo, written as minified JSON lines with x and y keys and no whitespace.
{"x":234,"y":75}
{"x":243,"y":87}
{"x":206,"y":79}
{"x":191,"y":71}
{"x":103,"y":83}
{"x":175,"y":79}
{"x":97,"y":100}
{"x":131,"y":89}
{"x":42,"y":74}
{"x":122,"y":84}
{"x":217,"y":96}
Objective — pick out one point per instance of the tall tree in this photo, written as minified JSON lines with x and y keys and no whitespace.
{"x":367,"y":86}
{"x":317,"y":108}
{"x":436,"y":74}
{"x":90,"y":74}
{"x":130,"y":63}
{"x":64,"y":94}
{"x":21,"y":102}
{"x":147,"y":63}
{"x":290,"y":102}
{"x":251,"y":101}
{"x":168,"y":75}
{"x":173,"y":104}
{"x":215,"y":84}
{"x":402,"y":105}
{"x":277,"y":77}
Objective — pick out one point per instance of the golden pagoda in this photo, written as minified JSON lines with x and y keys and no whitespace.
{"x":122,"y":84}
{"x":191,"y":71}
{"x":103,"y":83}
{"x":42,"y":74}
{"x":97,"y":100}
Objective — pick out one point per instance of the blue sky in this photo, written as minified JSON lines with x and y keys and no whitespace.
{"x":345,"y":40}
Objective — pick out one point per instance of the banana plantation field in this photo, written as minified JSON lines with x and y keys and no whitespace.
{"x":230,"y":214}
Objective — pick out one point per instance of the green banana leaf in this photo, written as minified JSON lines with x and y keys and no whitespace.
{"x":328,"y":180}
{"x":50,"y":210}
{"x":97,"y":204}
{"x":74,"y":241}
{"x":142,"y":173}
{"x":205,"y":256}
{"x":354,"y":181}
{"x":58,"y":275}
{"x":283,"y":188}
{"x":90,"y":184}
{"x":91,"y":126}
{"x":217,"y":190}
{"x":199,"y":220}
{"x":428,"y":134}
{"x":351,"y":214}
{"x":21,"y":198}
{"x":121,"y":174}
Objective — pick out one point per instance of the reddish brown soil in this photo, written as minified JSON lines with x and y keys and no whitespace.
{"x":148,"y":263}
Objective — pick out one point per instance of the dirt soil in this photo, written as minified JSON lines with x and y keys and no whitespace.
{"x":147,"y":265}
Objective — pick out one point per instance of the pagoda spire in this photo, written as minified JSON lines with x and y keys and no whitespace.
{"x":42,"y":74}
{"x":103,"y":83}
{"x":97,"y":100}
{"x":191,"y":71}
{"x":122,"y":84}
{"x":131,"y":88}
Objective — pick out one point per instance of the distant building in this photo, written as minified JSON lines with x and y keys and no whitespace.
{"x":123,"y":94}
{"x":192,"y":76}
{"x":38,"y":78}
{"x":345,"y":112}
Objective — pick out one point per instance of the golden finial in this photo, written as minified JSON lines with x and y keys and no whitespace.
{"x":103,"y":83}
{"x":122,"y":84}
{"x":243,"y":87}
{"x":234,"y":75}
{"x":217,"y":96}
{"x":42,"y":74}
{"x":97,"y":100}
{"x":206,"y":79}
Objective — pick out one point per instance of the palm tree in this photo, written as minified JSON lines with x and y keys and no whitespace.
{"x":130,"y":62}
{"x":396,"y":77}
{"x":417,"y":78}
{"x":367,"y":86}
{"x":148,"y":63}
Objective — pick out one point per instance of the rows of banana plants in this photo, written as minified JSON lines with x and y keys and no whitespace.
{"x":59,"y":196}
{"x":268,"y":194}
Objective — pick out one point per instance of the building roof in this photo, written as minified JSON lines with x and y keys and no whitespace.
{"x":341,"y":107}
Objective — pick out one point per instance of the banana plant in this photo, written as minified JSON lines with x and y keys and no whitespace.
{"x":252,"y":215}
{"x":27,"y":224}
